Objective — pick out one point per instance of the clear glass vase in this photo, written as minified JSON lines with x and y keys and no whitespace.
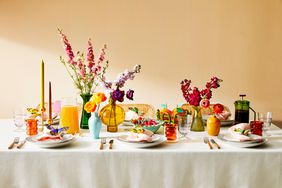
{"x":112,"y":115}
{"x":84,"y":115}
{"x":197,"y":122}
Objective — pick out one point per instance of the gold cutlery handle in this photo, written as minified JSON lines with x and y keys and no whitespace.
{"x":11,"y":145}
{"x":111,"y":146}
{"x":101,"y":146}
{"x":218,"y":147}
{"x":209,"y":143}
{"x":21,"y":144}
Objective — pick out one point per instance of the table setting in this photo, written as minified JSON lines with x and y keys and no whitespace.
{"x":100,"y":144}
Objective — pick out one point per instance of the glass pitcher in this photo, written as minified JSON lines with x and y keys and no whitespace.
{"x":69,"y":115}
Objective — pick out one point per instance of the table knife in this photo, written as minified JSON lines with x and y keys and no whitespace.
{"x":16,"y":141}
{"x":215,"y":143}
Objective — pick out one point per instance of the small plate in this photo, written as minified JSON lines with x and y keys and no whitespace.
{"x":157,"y":140}
{"x":227,"y":138}
{"x":67,"y":139}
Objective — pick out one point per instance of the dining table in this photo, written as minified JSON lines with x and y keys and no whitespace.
{"x":185,"y":163}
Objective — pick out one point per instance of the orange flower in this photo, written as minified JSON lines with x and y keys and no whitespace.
{"x":90,"y":107}
{"x":98,"y":98}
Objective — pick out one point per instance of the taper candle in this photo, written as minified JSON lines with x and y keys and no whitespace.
{"x":50,"y":101}
{"x":42,"y":85}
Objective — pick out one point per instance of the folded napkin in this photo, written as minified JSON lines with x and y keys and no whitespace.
{"x":240,"y":136}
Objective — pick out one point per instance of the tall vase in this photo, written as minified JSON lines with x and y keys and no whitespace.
{"x":197,"y":122}
{"x":112,"y":115}
{"x":95,"y":125}
{"x":84,"y":115}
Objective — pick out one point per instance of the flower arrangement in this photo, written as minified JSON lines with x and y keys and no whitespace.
{"x":114,"y":88}
{"x":94,"y":101}
{"x":198,"y":97}
{"x":84,"y":72}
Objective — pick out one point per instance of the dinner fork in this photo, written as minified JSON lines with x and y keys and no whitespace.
{"x":207,"y":141}
{"x":21,"y":144}
{"x":103,"y":141}
{"x":16,"y":141}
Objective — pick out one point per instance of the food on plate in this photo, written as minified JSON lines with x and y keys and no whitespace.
{"x":142,"y":121}
{"x":49,"y":137}
{"x":138,"y":134}
{"x":220,"y":113}
{"x":242,"y":133}
{"x":213,"y":125}
{"x":218,"y":108}
{"x":131,"y":115}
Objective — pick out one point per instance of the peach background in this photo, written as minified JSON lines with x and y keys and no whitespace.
{"x":238,"y":40}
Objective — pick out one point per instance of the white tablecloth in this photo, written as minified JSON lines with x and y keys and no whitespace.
{"x":182,"y":164}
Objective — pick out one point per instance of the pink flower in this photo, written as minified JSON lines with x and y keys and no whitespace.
{"x":67,"y":47}
{"x":90,"y":55}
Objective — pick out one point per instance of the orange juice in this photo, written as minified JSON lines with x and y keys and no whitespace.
{"x":69,"y":118}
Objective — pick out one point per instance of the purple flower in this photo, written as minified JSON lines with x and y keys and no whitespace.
{"x":118,"y":95}
{"x":129,"y":94}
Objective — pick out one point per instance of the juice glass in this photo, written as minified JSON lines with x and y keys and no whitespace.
{"x":69,"y":115}
{"x":171,"y":132}
{"x":256,"y":127}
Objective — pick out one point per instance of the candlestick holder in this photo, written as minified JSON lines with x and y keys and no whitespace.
{"x":41,"y":127}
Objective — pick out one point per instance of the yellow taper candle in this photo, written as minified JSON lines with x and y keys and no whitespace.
{"x":42,"y":85}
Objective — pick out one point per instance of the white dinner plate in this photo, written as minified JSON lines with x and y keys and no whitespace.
{"x":157,"y":140}
{"x":228,"y":139}
{"x":67,"y":139}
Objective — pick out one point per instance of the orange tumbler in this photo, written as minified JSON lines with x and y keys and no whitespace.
{"x":31,"y":127}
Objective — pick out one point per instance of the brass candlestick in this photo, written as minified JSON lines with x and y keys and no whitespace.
{"x":41,"y":128}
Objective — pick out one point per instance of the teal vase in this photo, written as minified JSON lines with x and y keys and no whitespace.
{"x":95,"y":125}
{"x":84,"y":115}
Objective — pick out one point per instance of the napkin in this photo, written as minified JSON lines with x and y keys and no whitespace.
{"x":238,"y":136}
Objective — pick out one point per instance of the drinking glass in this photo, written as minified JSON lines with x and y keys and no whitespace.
{"x":171,"y":132}
{"x":184,"y":123}
{"x":19,"y":119}
{"x":266,"y":118}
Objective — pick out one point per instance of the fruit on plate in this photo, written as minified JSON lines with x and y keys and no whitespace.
{"x":218,"y":108}
{"x":213,"y":125}
{"x":144,"y":121}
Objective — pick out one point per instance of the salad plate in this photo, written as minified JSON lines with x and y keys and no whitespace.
{"x":157,"y":140}
{"x":228,"y":139}
{"x":66,"y":140}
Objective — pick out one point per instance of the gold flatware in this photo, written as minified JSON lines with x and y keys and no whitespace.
{"x":215,"y":143}
{"x":103,"y":141}
{"x":16,"y":141}
{"x":21,"y":144}
{"x":206,"y":140}
{"x":111,"y":144}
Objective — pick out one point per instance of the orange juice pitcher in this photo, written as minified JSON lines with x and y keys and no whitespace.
{"x":69,"y":115}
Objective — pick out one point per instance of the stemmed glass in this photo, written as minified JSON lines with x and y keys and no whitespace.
{"x":266,"y":118}
{"x":184,"y":123}
{"x":19,"y":119}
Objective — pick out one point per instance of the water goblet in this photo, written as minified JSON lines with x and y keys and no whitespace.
{"x":19,"y":120}
{"x":184,"y":123}
{"x":266,"y":118}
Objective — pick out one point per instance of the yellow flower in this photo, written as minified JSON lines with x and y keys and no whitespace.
{"x":98,"y":98}
{"x":90,"y":107}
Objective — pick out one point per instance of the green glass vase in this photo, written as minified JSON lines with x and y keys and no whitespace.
{"x":197,"y":122}
{"x":84,"y":115}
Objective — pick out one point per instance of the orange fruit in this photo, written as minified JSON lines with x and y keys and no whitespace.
{"x":213,"y":126}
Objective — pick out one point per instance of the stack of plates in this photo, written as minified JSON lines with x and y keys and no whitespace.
{"x":228,"y":139}
{"x":157,"y":140}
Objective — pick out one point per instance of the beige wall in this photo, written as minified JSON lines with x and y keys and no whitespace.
{"x":237,"y":40}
